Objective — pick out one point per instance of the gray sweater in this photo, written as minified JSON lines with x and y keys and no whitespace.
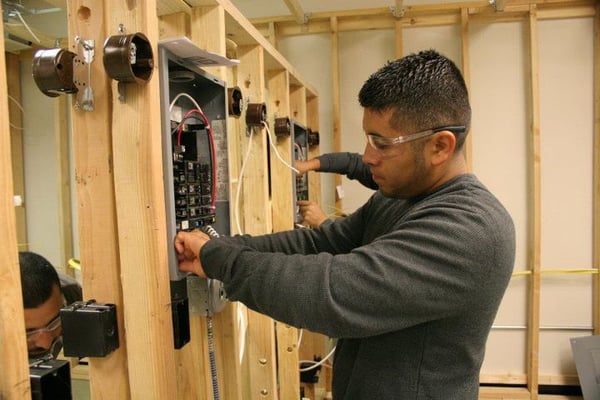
{"x":409,"y":287}
{"x":349,"y":164}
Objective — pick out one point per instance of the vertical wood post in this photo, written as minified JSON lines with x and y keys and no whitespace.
{"x":312,"y":121}
{"x":399,"y":43}
{"x":335,"y":93}
{"x":534,"y":250}
{"x":466,"y":70}
{"x":96,"y":208}
{"x":16,"y":144}
{"x":596,"y":174}
{"x":282,"y":181}
{"x":260,"y":335}
{"x":14,"y":379}
{"x":65,"y":215}
{"x":139,"y":194}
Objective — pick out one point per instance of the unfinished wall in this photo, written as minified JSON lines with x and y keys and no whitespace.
{"x":500,"y":81}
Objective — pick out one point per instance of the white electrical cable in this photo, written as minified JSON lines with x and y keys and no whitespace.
{"x":183,"y":94}
{"x":18,"y":14}
{"x":20,"y":108}
{"x":239,"y":183}
{"x":275,"y":149}
{"x":316,"y":364}
{"x":300,"y":336}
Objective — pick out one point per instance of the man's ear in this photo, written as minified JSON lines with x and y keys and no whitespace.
{"x":442,"y":147}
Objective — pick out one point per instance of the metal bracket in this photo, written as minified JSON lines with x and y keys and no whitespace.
{"x":82,"y":73}
{"x":397,"y":13}
{"x":497,"y":5}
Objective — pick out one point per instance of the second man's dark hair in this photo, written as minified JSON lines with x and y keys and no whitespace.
{"x":38,"y":279}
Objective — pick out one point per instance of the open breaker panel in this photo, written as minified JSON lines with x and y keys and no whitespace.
{"x":195,"y":169}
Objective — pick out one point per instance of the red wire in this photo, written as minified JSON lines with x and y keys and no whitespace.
{"x":213,"y":153}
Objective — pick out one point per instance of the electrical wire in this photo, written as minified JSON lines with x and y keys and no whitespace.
{"x":300,"y":334}
{"x":18,"y":14}
{"x":211,"y":139}
{"x":211,"y":357}
{"x":275,"y":149}
{"x":316,"y":364}
{"x":239,"y":183}
{"x":300,"y":151}
{"x":20,"y":108}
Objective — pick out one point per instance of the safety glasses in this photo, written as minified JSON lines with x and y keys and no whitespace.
{"x":383,"y":144}
{"x":50,"y":328}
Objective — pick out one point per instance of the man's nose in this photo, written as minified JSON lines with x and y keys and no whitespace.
{"x":370,"y":155}
{"x":44,"y":340}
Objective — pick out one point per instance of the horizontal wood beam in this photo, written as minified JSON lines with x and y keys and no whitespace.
{"x":426,"y":15}
{"x":297,"y":11}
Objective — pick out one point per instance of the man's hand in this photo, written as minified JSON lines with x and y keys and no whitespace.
{"x":312,"y":215}
{"x":188,"y":246}
{"x":309,"y":165}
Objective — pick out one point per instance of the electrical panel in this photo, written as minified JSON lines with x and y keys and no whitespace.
{"x":299,"y":134}
{"x":195,"y":170}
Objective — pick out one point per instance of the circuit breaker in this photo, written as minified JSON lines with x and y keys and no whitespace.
{"x":195,"y":170}
{"x":299,"y":134}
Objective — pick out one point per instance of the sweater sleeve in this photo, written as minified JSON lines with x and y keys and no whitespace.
{"x":348,"y":279}
{"x":349,"y":164}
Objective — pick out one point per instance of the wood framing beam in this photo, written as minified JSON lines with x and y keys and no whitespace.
{"x":140,"y":207}
{"x":16,"y":144}
{"x":260,"y":358}
{"x":14,"y":379}
{"x":96,"y":208}
{"x":296,"y":9}
{"x":208,"y":32}
{"x":596,"y":175}
{"x":282,"y":206}
{"x":534,"y":248}
{"x":65,"y":215}
{"x":399,"y":39}
{"x":466,"y":70}
{"x":335,"y":94}
{"x":428,"y":15}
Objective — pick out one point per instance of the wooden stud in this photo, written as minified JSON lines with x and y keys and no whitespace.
{"x":282,"y":181}
{"x":312,"y":121}
{"x":281,"y":176}
{"x":296,"y":9}
{"x":208,"y":32}
{"x":16,"y":144}
{"x":260,"y":338}
{"x":14,"y":379}
{"x":65,"y":226}
{"x":596,"y":175}
{"x":174,"y":25}
{"x":137,"y":156}
{"x":399,"y":35}
{"x":96,"y":208}
{"x":272,"y":34}
{"x":335,"y":93}
{"x":466,"y":69}
{"x":534,"y":249}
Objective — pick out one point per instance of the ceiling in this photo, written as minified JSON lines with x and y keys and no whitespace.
{"x":271,"y":8}
{"x":43,"y":21}
{"x":33,"y":21}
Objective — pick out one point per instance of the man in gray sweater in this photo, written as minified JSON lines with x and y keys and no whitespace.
{"x":411,"y":282}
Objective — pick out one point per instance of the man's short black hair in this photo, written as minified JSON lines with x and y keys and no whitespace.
{"x":424,"y":90}
{"x":38,"y":279}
